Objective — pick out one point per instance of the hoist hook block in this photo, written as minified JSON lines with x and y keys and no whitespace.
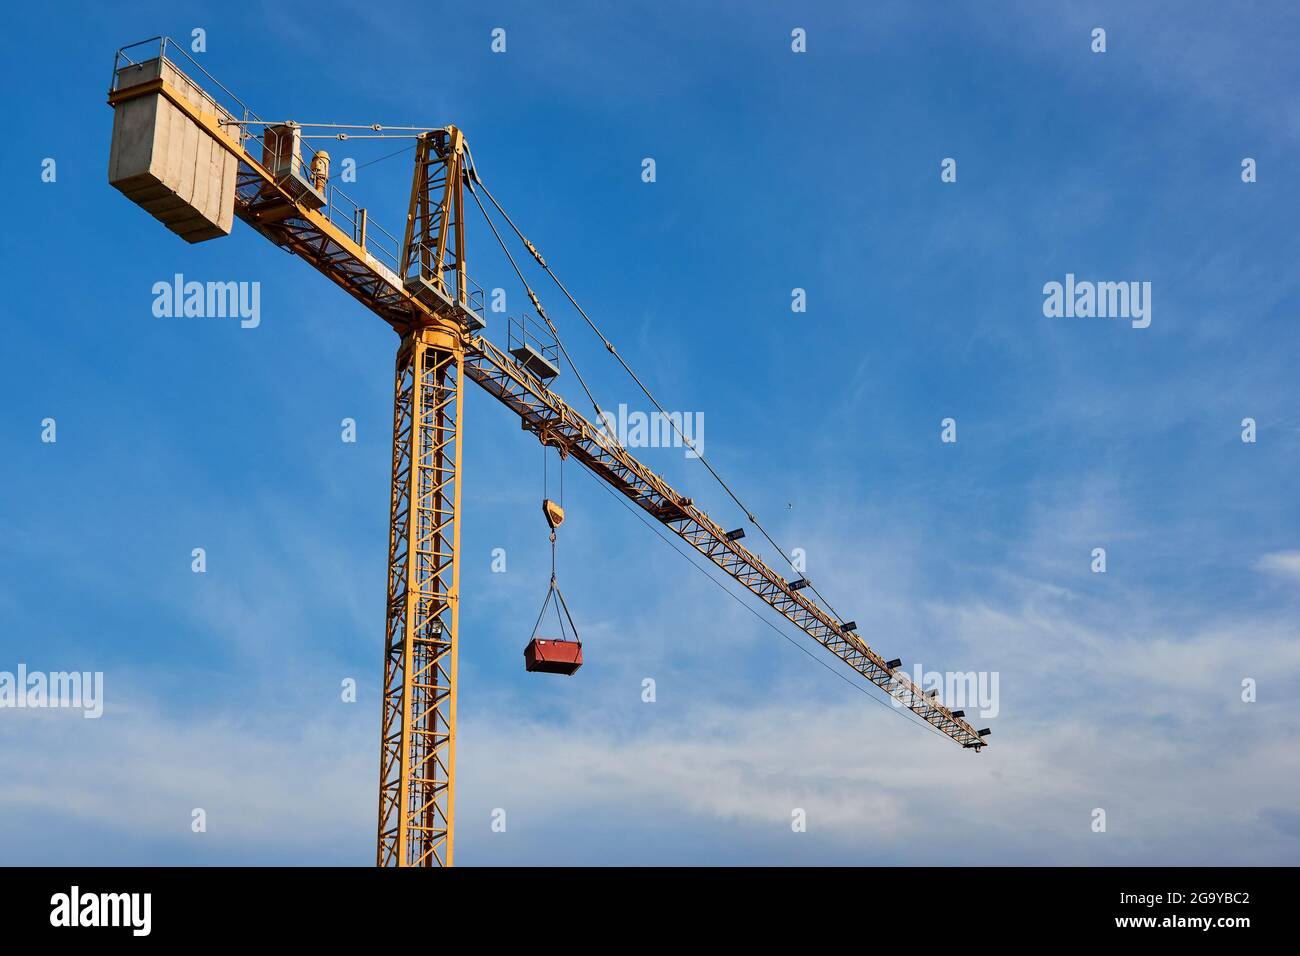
{"x":554,"y":513}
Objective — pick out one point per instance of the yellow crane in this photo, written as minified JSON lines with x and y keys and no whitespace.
{"x":196,"y":157}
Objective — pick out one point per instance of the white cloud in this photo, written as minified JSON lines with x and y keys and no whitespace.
{"x":1285,"y":563}
{"x":1142,"y":723}
{"x":275,"y":782}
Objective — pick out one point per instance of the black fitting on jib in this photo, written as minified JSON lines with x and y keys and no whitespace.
{"x":896,"y":662}
{"x":736,"y":535}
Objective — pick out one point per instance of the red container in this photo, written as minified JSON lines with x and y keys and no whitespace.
{"x":553,"y":657}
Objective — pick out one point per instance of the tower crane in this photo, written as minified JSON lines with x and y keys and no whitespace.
{"x":196,"y":157}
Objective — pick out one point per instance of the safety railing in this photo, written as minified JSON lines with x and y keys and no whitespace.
{"x":473,"y":292}
{"x":528,"y":332}
{"x":163,"y":47}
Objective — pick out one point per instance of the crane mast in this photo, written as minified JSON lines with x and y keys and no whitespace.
{"x":417,"y":762}
{"x":420,"y":287}
{"x":418,"y":740}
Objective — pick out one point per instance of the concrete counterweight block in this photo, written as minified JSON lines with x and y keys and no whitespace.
{"x":165,"y":162}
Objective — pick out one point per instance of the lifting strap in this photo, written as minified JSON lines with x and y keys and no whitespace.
{"x":554,"y":514}
{"x":553,"y":594}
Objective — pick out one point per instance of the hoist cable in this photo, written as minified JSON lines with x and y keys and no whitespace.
{"x":609,"y":346}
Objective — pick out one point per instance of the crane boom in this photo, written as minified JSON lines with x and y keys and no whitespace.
{"x":171,"y":158}
{"x":556,"y":423}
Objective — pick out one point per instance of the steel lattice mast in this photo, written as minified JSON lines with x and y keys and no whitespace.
{"x":418,"y":743}
{"x":417,"y":762}
{"x":420,"y":288}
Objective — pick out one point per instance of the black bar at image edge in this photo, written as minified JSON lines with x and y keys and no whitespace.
{"x":330,"y":905}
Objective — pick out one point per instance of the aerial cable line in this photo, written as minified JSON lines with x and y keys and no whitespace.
{"x":351,"y":136}
{"x":404,"y":149}
{"x":373,"y":127}
{"x":609,"y":346}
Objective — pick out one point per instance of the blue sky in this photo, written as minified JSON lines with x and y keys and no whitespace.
{"x":775,"y":170}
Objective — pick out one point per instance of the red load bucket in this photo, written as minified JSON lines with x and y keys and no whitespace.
{"x":553,"y":657}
